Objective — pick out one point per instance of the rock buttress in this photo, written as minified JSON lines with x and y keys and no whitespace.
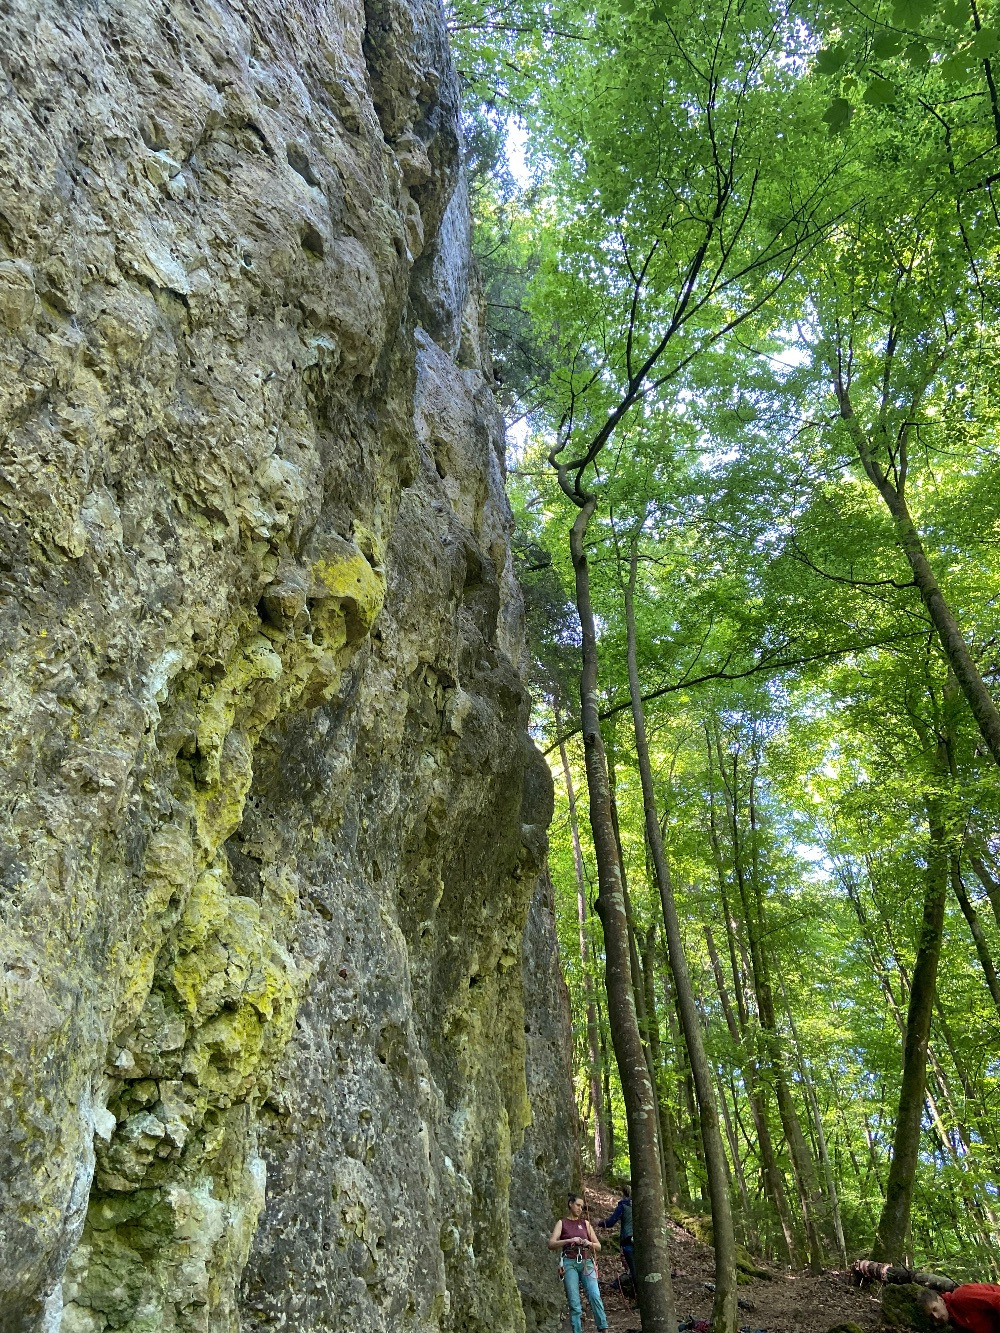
{"x":266,"y":850}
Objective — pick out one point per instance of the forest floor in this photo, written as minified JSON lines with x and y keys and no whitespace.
{"x":788,"y":1303}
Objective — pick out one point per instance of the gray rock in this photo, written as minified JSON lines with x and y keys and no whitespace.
{"x":548,"y":1161}
{"x":266,"y":861}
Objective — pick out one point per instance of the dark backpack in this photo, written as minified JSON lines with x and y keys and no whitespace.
{"x":627,"y":1220}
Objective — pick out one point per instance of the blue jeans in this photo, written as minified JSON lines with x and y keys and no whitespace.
{"x":628,"y":1254}
{"x":574,"y":1270}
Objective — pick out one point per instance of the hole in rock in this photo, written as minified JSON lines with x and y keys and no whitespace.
{"x":313,"y":241}
{"x":299,"y":163}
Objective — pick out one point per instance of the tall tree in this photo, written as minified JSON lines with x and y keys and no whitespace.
{"x":723,"y":1234}
{"x":891,"y":1236}
{"x":600,"y":1139}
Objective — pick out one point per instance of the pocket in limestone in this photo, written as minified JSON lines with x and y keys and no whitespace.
{"x":131,"y":1152}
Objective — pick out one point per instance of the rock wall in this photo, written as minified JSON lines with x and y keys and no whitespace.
{"x":270,"y":818}
{"x":547,"y":1164}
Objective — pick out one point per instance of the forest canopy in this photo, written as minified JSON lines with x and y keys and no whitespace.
{"x":742,"y":287}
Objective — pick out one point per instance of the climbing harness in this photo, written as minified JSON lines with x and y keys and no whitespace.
{"x":581,"y":1258}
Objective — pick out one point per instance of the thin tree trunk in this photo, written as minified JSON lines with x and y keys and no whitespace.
{"x":973,"y":1096}
{"x":772,"y":1175}
{"x":976,"y":930}
{"x":606,"y":1070}
{"x":756,"y":1091}
{"x":670,"y":1181}
{"x":724,"y":1238}
{"x":753,"y":920}
{"x":642,"y":1015}
{"x":750,"y":1238}
{"x":989,"y":883}
{"x":593,"y":1045}
{"x":846,"y":1129}
{"x":890,"y":1238}
{"x":720,"y":872}
{"x":655,"y":1294}
{"x":937,"y":1070}
{"x":956,"y":650}
{"x":670,"y":1017}
{"x":824,"y":1155}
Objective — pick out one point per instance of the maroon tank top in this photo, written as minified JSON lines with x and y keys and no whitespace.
{"x":574,"y":1228}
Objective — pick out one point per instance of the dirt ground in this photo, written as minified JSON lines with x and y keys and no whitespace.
{"x":788,"y":1303}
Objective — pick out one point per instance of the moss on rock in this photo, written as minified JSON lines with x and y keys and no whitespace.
{"x":901,"y":1308}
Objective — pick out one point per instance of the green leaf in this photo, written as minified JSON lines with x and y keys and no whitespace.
{"x":957,"y":67}
{"x":917,"y":53}
{"x":955,"y":14}
{"x":985,"y":44}
{"x":910,"y":13}
{"x":838,"y":114}
{"x":881,"y":92}
{"x":830,"y":60}
{"x":886,"y":44}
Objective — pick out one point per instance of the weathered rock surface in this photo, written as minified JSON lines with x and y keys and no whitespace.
{"x":271,"y":822}
{"x":547,"y":1163}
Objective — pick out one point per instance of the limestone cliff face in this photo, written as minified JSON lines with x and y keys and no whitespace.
{"x":547,"y":1163}
{"x":270,"y":819}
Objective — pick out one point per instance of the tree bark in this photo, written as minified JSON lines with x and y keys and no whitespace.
{"x":670,"y":1027}
{"x":606,"y":1071}
{"x":864,"y":1270}
{"x":956,"y":650}
{"x":593,"y":1044}
{"x":723,"y":1234}
{"x":749,"y":1233}
{"x":655,"y":1294}
{"x":890,"y":1238}
{"x":989,"y":883}
{"x":670,"y":1182}
{"x":976,"y":930}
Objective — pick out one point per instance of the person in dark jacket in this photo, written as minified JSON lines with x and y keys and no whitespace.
{"x":623,"y":1215}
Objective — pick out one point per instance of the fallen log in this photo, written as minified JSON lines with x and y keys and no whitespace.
{"x":865,"y":1270}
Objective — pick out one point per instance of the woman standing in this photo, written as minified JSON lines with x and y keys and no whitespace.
{"x":577,"y":1241}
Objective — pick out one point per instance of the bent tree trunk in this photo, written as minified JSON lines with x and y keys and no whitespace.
{"x":655,"y":1294}
{"x":724,"y":1306}
{"x":890,"y":1239}
{"x":956,"y":650}
{"x":593,"y":1046}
